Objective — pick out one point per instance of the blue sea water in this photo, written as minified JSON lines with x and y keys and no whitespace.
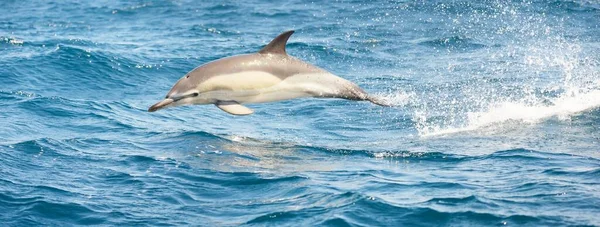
{"x":496,"y":118}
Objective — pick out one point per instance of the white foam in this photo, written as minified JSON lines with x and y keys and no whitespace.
{"x":562,"y":107}
{"x":542,"y":74}
{"x":398,"y":98}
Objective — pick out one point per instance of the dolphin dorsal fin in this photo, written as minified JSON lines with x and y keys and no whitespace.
{"x":277,"y":45}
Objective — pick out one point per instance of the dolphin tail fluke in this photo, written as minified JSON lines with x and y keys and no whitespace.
{"x":378,"y":101}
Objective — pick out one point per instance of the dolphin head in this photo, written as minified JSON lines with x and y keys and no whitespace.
{"x":184,"y":92}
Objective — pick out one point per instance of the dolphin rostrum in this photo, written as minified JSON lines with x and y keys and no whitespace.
{"x":267,"y":76}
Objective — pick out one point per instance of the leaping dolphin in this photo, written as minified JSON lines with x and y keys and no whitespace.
{"x":267,"y":76}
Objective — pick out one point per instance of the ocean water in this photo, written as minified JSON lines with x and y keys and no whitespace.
{"x":496,"y":118}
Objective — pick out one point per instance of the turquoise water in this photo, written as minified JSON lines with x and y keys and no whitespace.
{"x":496,"y":118}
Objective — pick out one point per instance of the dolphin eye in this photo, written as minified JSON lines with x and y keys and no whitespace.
{"x":188,"y":76}
{"x":195,"y":94}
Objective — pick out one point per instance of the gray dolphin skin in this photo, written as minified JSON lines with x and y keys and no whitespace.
{"x":267,"y":76}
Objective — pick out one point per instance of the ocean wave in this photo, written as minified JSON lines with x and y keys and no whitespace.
{"x":120,"y":114}
{"x":60,"y":64}
{"x":271,"y":14}
{"x":351,"y":207}
{"x":359,"y":209}
{"x":64,"y":110}
{"x":589,"y":173}
{"x":43,"y":211}
{"x":11,"y":40}
{"x":37,"y":204}
{"x":495,"y":115}
{"x":210,"y":28}
{"x":527,"y":154}
{"x":453,"y":42}
{"x":519,"y":112}
{"x":575,"y":6}
{"x":222,"y":7}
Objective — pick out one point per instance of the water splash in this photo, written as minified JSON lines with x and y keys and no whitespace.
{"x":398,"y":98}
{"x":562,"y":108}
{"x":542,"y":72}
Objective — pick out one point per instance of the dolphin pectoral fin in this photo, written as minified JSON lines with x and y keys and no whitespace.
{"x":233,"y":107}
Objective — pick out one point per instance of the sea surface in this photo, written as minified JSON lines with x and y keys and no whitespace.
{"x":496,"y":117}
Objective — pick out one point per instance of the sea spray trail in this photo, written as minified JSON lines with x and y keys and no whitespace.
{"x":553,"y":76}
{"x":496,"y":118}
{"x":563,"y":108}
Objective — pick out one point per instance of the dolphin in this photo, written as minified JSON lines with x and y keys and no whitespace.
{"x":266,"y":76}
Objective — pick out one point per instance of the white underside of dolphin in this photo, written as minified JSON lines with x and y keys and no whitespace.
{"x":267,"y":76}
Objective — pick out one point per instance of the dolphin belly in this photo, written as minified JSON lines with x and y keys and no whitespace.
{"x":272,"y":94}
{"x":297,"y":86}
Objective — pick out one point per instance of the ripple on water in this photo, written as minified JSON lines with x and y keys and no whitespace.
{"x":495,"y":123}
